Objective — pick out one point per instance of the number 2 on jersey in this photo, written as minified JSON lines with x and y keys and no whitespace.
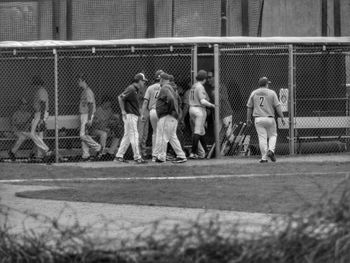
{"x":262,"y":101}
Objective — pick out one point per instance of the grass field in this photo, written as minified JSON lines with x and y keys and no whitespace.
{"x":244,"y":186}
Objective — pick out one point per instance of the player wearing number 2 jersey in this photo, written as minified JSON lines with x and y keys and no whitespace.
{"x":149,"y":107}
{"x":262,"y":104}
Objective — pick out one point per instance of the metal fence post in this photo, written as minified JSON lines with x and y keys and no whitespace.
{"x":217,"y":100}
{"x":194,"y":63}
{"x":291,"y":101}
{"x":56,"y":105}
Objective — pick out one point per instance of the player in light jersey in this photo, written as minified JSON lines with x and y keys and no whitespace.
{"x":149,"y":107}
{"x":87,"y":109}
{"x":198,"y":100}
{"x":262,"y":104}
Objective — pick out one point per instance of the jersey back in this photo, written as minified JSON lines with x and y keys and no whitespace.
{"x":152,"y":94}
{"x":263,"y":101}
{"x":196,"y":94}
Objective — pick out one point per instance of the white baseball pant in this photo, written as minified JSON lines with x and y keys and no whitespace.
{"x":154,"y":121}
{"x":131,"y":135}
{"x":37,"y":137}
{"x":86,"y":140}
{"x":198,"y":116}
{"x":103,"y":136}
{"x":166,"y":132}
{"x":267,"y":133}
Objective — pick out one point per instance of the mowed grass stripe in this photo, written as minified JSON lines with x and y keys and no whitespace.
{"x":150,"y":178}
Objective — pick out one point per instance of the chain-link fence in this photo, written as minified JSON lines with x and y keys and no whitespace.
{"x":312,"y":83}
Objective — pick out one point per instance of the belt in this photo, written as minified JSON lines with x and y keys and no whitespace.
{"x":264,"y":116}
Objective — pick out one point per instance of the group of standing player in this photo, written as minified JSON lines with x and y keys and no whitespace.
{"x":161,"y":106}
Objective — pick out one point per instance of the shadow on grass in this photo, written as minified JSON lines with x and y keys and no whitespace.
{"x":314,"y":233}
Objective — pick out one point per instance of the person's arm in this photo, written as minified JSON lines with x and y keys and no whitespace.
{"x":280,"y":114}
{"x":122,"y":107}
{"x":144,"y":108}
{"x":249,"y":116}
{"x":42,"y":109}
{"x":207,"y":103}
{"x":90,"y":111}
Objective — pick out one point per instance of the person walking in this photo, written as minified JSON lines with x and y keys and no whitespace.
{"x":129,"y":105}
{"x":167,"y":109}
{"x":87,"y":109}
{"x":262,"y":104}
{"x":148,"y":113}
{"x":199,"y":100}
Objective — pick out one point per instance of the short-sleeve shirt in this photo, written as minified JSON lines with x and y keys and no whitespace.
{"x":131,"y":100}
{"x":263,"y":101}
{"x":197,"y":93}
{"x":152,"y":94}
{"x":87,"y":96}
{"x":39,"y":96}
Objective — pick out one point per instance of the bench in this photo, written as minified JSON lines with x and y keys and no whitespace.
{"x":320,"y":123}
{"x":70,"y":122}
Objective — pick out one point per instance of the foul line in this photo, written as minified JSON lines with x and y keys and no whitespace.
{"x":153,"y":178}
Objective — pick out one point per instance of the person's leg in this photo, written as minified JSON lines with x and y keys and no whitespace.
{"x":134,"y":135}
{"x":125,"y":142}
{"x":154,"y":121}
{"x":38,"y":141}
{"x":272,"y":134}
{"x":21,"y":137}
{"x":113,"y":148}
{"x":162,"y":139}
{"x":84,"y":146}
{"x":102,"y":135}
{"x":262,"y":134}
{"x":143,"y":127}
{"x":173,"y":139}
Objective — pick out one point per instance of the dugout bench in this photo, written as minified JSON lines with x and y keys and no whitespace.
{"x":68,"y":127}
{"x":320,"y":130}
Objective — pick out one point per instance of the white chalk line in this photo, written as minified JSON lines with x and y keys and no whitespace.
{"x":155,"y":178}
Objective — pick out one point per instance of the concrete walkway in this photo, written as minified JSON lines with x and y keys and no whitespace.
{"x":124,"y":221}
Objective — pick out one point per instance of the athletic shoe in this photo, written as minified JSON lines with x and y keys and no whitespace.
{"x":180,"y":160}
{"x":12,"y":156}
{"x":170,"y":157}
{"x":154,"y":158}
{"x":140,"y":161}
{"x":193,"y":156}
{"x":271,"y":155}
{"x":159,"y":161}
{"x":120,"y":159}
{"x":263,"y":161}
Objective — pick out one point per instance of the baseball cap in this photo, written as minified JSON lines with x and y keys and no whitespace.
{"x":165,"y":76}
{"x":202,"y":74}
{"x":158,"y":72}
{"x":140,"y":76}
{"x":263,"y":81}
{"x":171,"y":78}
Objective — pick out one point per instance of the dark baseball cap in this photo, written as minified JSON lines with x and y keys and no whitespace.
{"x":171,"y":78}
{"x":140,"y":76}
{"x":157,"y":75}
{"x":165,"y":76}
{"x":263,"y":81}
{"x":202,"y":74}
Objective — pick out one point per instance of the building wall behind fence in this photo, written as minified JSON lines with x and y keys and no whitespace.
{"x":123,"y":19}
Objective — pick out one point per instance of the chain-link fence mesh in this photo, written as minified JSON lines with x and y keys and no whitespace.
{"x":108,"y":71}
{"x":321,"y":98}
{"x":240,"y":70}
{"x":320,"y":103}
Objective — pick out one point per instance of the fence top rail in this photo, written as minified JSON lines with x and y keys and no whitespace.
{"x":176,"y":41}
